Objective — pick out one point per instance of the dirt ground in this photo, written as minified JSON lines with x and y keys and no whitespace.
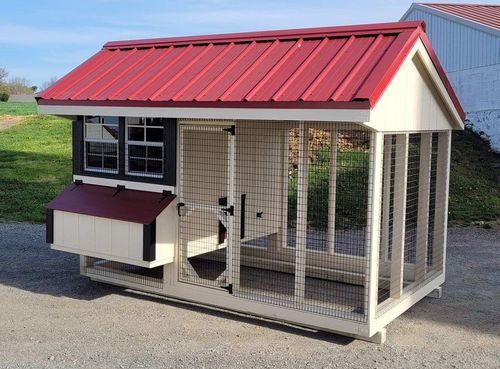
{"x":51,"y":317}
{"x":8,"y":121}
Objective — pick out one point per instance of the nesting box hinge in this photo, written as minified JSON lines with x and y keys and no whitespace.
{"x":229,"y":288}
{"x":231,"y":130}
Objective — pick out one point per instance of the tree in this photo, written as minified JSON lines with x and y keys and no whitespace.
{"x":3,"y":74}
{"x":19,"y":85}
{"x":48,"y":83}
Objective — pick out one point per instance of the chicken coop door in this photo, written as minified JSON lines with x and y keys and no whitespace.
{"x":206,"y":204}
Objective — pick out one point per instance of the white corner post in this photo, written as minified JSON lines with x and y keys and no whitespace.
{"x":301,"y":239}
{"x":442,"y":192}
{"x":332,"y":190}
{"x":373,"y":223}
{"x":399,"y":216}
{"x":424,"y":186}
{"x":384,"y":240}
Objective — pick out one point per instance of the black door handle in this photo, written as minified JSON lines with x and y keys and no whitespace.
{"x":179,"y":206}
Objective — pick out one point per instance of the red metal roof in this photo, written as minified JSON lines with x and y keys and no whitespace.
{"x":127,"y":205}
{"x":485,"y":14}
{"x":329,"y":67}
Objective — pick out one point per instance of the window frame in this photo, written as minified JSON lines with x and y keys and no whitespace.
{"x":146,"y":144}
{"x":100,"y":140}
{"x":170,"y":138}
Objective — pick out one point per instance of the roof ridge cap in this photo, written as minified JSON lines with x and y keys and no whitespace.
{"x":266,"y":35}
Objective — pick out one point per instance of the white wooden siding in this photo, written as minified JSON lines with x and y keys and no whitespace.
{"x":412,"y":102}
{"x":114,"y":239}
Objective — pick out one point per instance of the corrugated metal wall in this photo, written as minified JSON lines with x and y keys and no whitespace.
{"x":457,"y":46}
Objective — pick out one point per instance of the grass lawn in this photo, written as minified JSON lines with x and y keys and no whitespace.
{"x":17,"y":108}
{"x":35,"y":165}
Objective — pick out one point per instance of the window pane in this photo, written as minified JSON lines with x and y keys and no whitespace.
{"x":155,"y":152}
{"x":155,"y":166}
{"x":154,"y":134}
{"x":94,"y":161}
{"x":110,"y":120}
{"x":110,"y":162}
{"x":92,"y":130}
{"x":136,"y":134}
{"x":94,"y":148}
{"x":137,"y":165}
{"x":158,"y":122}
{"x":110,"y":149}
{"x":137,"y":151}
{"x":110,"y":132}
{"x":92,"y":119}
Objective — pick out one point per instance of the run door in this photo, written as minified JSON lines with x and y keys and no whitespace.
{"x":206,"y":204}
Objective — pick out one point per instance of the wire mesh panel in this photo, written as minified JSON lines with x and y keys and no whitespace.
{"x":301,"y":200}
{"x":205,"y":191}
{"x":410,"y":200}
{"x":150,"y":277}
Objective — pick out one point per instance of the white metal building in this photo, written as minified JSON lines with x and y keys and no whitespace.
{"x":466,"y":39}
{"x":300,"y":175}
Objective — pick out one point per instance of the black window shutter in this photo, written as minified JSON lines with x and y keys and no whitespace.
{"x":170,"y":151}
{"x":78,"y":152}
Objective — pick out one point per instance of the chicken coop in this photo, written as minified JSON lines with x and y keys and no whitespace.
{"x":297,"y":175}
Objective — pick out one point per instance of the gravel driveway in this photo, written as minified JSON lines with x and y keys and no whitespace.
{"x":51,"y":317}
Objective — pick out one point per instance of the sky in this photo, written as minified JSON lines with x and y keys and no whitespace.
{"x":44,"y":39}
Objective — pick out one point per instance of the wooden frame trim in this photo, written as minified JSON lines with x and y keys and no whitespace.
{"x":149,"y":242}
{"x":399,"y":216}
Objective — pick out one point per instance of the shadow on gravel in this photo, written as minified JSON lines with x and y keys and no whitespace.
{"x":247,"y":319}
{"x":27,"y":263}
{"x":470,"y":294}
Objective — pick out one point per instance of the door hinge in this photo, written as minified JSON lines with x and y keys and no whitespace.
{"x":229,"y":210}
{"x":231,"y":130}
{"x":229,"y":288}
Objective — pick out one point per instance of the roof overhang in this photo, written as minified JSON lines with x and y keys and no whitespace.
{"x":358,"y":111}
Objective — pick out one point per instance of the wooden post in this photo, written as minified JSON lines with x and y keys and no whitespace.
{"x":384,"y":243}
{"x":232,"y":278}
{"x":373,"y":222}
{"x":424,"y":185}
{"x":301,"y":241}
{"x":399,"y":216}
{"x":283,"y":236}
{"x":441,"y":210}
{"x":332,"y":191}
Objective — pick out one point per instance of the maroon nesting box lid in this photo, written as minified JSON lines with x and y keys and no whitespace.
{"x":109,"y":202}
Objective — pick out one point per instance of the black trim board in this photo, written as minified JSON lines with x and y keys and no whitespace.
{"x":49,"y":226}
{"x":77,"y":146}
{"x":149,"y":242}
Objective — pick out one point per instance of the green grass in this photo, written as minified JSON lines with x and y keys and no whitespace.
{"x":17,"y":108}
{"x":35,"y":165}
{"x":474,"y":186}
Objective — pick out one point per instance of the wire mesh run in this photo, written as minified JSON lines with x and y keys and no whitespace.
{"x":297,"y":234}
{"x":413,"y":212}
{"x":150,"y":277}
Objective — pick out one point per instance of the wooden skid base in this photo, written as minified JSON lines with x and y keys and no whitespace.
{"x":436,"y":293}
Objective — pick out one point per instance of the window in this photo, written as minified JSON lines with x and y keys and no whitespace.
{"x":144,"y":147}
{"x":101,"y":144}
